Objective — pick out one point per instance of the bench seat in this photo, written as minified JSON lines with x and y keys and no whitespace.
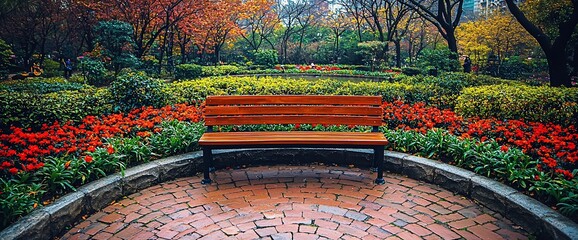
{"x":292,"y":138}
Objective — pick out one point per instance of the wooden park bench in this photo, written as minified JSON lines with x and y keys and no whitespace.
{"x":293,"y":109}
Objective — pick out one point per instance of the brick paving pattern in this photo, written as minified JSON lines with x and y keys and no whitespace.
{"x":295,"y":202}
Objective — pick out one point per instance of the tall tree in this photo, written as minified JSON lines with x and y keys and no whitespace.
{"x":338,"y":22}
{"x":555,"y":44}
{"x":29,"y":27}
{"x":217,"y":25}
{"x":354,"y":9}
{"x":445,"y":15}
{"x":258,"y":22}
{"x":295,"y":15}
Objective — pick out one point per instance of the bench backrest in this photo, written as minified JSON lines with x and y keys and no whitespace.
{"x":293,"y":109}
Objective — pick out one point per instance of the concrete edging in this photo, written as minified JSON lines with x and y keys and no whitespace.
{"x":535,"y":217}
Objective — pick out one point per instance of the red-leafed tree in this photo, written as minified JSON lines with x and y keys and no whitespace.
{"x":150,"y":18}
{"x":215,"y":25}
{"x":258,"y":22}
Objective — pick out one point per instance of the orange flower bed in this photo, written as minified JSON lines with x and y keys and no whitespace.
{"x":553,"y":144}
{"x":23,"y":149}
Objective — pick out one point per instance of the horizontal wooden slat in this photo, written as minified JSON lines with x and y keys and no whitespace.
{"x":285,"y":119}
{"x":302,"y":110}
{"x":289,"y":138}
{"x":293,"y":99}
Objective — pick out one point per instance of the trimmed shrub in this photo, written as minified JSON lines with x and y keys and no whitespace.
{"x":222,"y":70}
{"x":25,"y":109}
{"x":441,"y":59}
{"x":266,"y":57}
{"x":5,"y":53}
{"x":94,"y":71}
{"x":188,"y":71}
{"x":541,"y":104}
{"x":411,"y":71}
{"x":40,"y":85}
{"x":134,"y":89}
{"x":51,"y":68}
{"x":189,"y":91}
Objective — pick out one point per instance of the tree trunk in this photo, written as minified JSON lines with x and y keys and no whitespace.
{"x":451,"y":39}
{"x":557,"y":68}
{"x":337,"y":48}
{"x":397,"y":53}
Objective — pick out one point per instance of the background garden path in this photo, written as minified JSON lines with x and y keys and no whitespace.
{"x":295,"y":202}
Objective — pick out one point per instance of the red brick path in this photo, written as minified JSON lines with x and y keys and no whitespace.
{"x":295,"y":202}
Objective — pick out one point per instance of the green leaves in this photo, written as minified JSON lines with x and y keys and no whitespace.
{"x":188,"y":71}
{"x":176,"y":137}
{"x":18,"y":197}
{"x":134,"y":89}
{"x":541,"y":104}
{"x":487,"y":158}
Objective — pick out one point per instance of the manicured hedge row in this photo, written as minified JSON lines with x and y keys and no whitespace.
{"x":27,"y":109}
{"x":199,"y":89}
{"x":541,"y":104}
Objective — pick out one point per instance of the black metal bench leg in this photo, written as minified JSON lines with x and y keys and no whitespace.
{"x":207,"y":161}
{"x":378,"y":154}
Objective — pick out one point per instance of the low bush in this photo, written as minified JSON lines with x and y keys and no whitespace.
{"x":134,"y":90}
{"x":26,"y":109}
{"x":94,"y":71}
{"x":541,"y":104}
{"x":266,"y":57}
{"x":450,"y":85}
{"x":188,"y":91}
{"x":221,"y":70}
{"x":411,"y":71}
{"x":188,"y":71}
{"x":51,"y":68}
{"x":442,"y":60}
{"x":41,"y":85}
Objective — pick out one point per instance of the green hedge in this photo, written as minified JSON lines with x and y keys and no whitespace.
{"x":189,"y":91}
{"x":542,"y":104}
{"x":25,"y":109}
{"x":208,"y":71}
{"x":41,"y":85}
{"x":188,"y":71}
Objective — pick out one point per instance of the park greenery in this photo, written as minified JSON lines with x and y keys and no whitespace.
{"x":143,"y":68}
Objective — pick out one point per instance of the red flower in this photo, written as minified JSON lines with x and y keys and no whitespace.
{"x":537,"y":178}
{"x":504,"y":148}
{"x":91,"y":149}
{"x":67,"y":165}
{"x":88,"y":159}
{"x":110,"y":150}
{"x":13,"y":171}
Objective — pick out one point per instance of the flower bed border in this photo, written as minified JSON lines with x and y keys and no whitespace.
{"x":52,"y":220}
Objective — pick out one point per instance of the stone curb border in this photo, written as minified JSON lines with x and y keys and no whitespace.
{"x":533,"y":216}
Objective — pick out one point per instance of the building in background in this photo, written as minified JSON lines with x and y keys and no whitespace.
{"x":479,"y":8}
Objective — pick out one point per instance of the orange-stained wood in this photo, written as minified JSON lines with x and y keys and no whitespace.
{"x":295,"y":110}
{"x":292,"y":119}
{"x":292,"y":138}
{"x":293,"y":99}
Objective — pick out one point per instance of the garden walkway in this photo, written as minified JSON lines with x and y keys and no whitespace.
{"x":295,"y":202}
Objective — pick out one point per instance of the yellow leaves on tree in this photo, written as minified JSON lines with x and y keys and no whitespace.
{"x":499,"y":34}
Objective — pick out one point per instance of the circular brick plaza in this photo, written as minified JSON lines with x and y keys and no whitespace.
{"x":295,"y":202}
